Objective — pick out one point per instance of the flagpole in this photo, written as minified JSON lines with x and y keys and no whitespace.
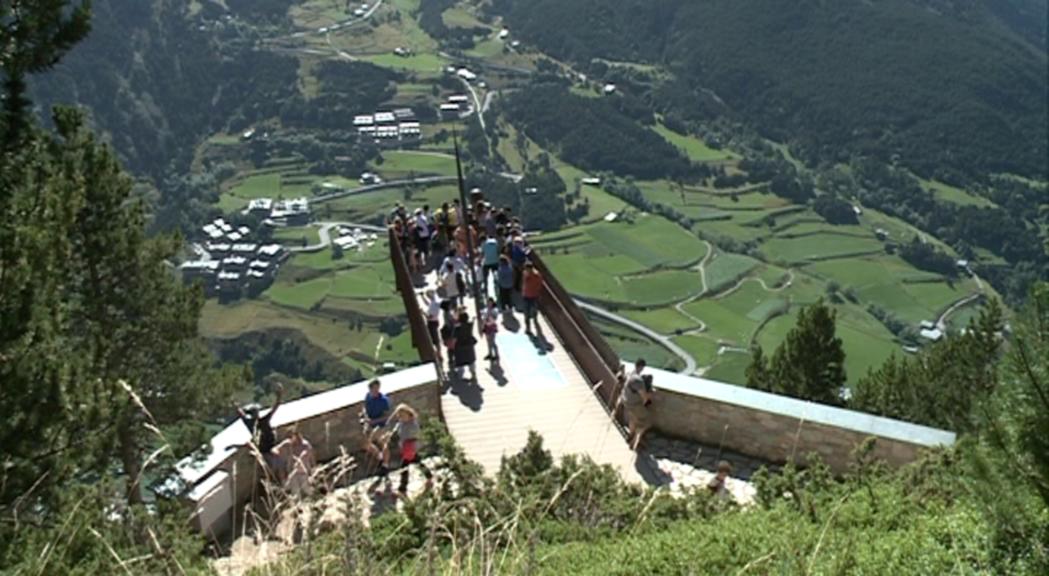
{"x":466,"y":229}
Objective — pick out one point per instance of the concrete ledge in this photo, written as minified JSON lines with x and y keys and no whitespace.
{"x":227,"y":475}
{"x":778,"y":428}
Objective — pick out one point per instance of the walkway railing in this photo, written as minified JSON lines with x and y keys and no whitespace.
{"x":421,"y":340}
{"x":595,"y":357}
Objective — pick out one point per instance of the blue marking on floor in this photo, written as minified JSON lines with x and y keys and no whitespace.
{"x":524,"y":365}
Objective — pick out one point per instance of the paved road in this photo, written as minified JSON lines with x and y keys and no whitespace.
{"x":690,"y":362}
{"x":333,"y":28}
{"x":477,"y":101}
{"x":325,"y":234}
{"x":941,"y":322}
{"x":373,"y":187}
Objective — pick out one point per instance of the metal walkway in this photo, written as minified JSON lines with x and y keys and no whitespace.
{"x":535,"y":386}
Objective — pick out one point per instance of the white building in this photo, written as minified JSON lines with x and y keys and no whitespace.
{"x":449,"y":110}
{"x":610,"y":88}
{"x":408,"y":129}
{"x":271,"y":251}
{"x":385,"y":118}
{"x":591,"y":181}
{"x":213,"y":232}
{"x":504,"y":34}
{"x":295,"y":209}
{"x":363,"y":120}
{"x":246,"y":248}
{"x":459,"y":99}
{"x":933,"y":335}
{"x":465,"y":74}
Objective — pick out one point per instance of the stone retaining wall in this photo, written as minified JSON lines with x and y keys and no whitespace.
{"x":778,"y":429}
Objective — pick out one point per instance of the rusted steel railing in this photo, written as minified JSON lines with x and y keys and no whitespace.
{"x":416,"y":320}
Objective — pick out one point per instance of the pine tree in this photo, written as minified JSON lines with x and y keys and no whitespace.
{"x":809,"y":364}
{"x":99,"y":355}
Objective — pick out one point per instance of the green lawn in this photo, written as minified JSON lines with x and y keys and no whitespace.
{"x":303,"y":295}
{"x":665,"y":286}
{"x":664,"y":320}
{"x":725,"y":269}
{"x":294,"y":236}
{"x":604,"y":260}
{"x":702,"y":348}
{"x":693,"y":147}
{"x":817,"y":247}
{"x":955,"y":195}
{"x":421,"y":62}
{"x":730,"y":367}
{"x":399,"y":164}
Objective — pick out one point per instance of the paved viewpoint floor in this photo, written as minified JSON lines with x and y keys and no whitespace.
{"x":535,"y":386}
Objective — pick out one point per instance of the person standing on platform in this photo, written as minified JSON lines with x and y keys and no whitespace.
{"x":490,"y":327}
{"x":405,"y":425}
{"x":451,"y":281}
{"x":532,"y":288}
{"x":433,"y":321}
{"x":505,"y":278}
{"x":465,"y":343}
{"x":490,"y":259}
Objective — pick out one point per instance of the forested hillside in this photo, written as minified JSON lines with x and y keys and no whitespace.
{"x":157,"y":85}
{"x":940,"y":89}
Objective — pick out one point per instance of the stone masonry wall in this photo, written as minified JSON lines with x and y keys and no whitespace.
{"x":765,"y":435}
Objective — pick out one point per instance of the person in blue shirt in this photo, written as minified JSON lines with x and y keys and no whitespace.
{"x":518,"y":257}
{"x":490,"y":261}
{"x":374,"y":417}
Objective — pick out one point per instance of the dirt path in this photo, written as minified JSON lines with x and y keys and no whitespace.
{"x":761,"y":282}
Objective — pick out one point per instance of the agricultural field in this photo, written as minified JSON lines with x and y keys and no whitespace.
{"x":795,"y":259}
{"x":336,"y":303}
{"x":696,"y":149}
{"x":955,"y":195}
{"x":404,"y":164}
{"x":639,"y":264}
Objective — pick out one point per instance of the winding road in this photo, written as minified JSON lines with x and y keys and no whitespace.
{"x":373,"y":187}
{"x":325,"y":234}
{"x":664,"y":341}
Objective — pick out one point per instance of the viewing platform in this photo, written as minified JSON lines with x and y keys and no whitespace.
{"x":536,"y":385}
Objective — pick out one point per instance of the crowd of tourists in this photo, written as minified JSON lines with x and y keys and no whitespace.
{"x":474,"y":251}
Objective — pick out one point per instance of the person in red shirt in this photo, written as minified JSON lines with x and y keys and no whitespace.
{"x":531,"y":289}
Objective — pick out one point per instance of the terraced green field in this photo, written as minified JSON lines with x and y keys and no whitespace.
{"x":399,"y":164}
{"x":636,"y":264}
{"x":818,"y":246}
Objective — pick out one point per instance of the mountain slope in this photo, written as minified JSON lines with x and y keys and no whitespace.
{"x":944,"y":89}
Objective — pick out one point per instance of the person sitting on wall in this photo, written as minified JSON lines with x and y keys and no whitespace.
{"x":635,"y":399}
{"x":374,"y":416}
{"x":262,"y":436}
{"x":300,"y":460}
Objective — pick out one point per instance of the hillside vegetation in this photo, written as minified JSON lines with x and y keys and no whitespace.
{"x":948,"y":90}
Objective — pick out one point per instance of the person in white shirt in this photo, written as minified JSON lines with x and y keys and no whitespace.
{"x":450,"y":280}
{"x":423,"y":233}
{"x":433,"y":320}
